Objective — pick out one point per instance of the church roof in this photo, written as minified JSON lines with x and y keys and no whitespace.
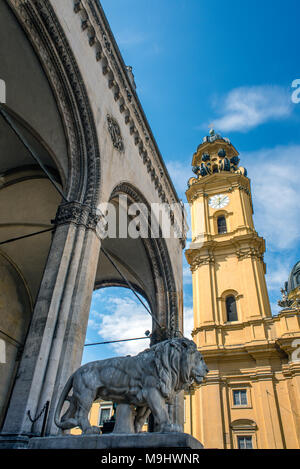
{"x":214,"y":155}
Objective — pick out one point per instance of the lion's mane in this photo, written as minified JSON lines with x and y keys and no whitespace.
{"x":172,"y":366}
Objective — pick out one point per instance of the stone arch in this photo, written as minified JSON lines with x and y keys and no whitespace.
{"x":74,"y":238}
{"x":163,"y":301}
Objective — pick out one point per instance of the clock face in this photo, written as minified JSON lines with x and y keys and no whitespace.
{"x":219,"y":201}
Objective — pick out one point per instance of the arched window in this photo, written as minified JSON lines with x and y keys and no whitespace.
{"x":222,"y":226}
{"x":231,"y":310}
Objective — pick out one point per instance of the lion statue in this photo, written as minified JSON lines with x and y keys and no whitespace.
{"x":139,"y":385}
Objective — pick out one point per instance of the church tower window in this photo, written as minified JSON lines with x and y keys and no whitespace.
{"x":222,"y":226}
{"x":231,"y":309}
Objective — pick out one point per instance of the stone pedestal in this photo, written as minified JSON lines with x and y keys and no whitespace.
{"x":116,"y":441}
{"x":13,"y":442}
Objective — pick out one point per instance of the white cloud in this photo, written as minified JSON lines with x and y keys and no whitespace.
{"x":187,"y":276}
{"x":247,"y":107}
{"x":123,"y":319}
{"x":188,"y":325}
{"x":277,"y":274}
{"x":180,"y":173}
{"x":275,"y":309}
{"x":129,"y":38}
{"x":99,"y":294}
{"x":274,"y":175}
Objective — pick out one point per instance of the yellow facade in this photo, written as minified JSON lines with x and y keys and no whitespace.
{"x":100,"y":412}
{"x":251,"y":397}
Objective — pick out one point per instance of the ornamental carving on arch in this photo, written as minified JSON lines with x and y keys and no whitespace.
{"x":115,"y":133}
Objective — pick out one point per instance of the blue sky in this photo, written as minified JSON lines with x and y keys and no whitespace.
{"x":230,"y":63}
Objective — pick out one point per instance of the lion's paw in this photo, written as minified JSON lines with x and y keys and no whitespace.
{"x":92,"y":431}
{"x":170,"y":427}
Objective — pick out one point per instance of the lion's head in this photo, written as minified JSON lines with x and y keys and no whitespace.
{"x":178,"y":365}
{"x":198,"y":369}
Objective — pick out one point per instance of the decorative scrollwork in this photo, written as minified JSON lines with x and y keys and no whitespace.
{"x":115,"y":133}
{"x":200,"y":260}
{"x":248,"y":253}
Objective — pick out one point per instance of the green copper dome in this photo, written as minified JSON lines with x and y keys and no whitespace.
{"x":294,"y":278}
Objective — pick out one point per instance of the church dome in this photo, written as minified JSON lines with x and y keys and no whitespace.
{"x":294,"y":278}
{"x":215,"y":154}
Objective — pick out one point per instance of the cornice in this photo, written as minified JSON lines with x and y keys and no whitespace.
{"x":225,"y":182}
{"x":263,"y":349}
{"x":236,"y":238}
{"x":107,"y":54}
{"x":236,"y":325}
{"x":209,"y":247}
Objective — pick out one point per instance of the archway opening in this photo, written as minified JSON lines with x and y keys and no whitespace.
{"x":28,"y":204}
{"x":118,"y":325}
{"x":116,"y":317}
{"x":132,"y":257}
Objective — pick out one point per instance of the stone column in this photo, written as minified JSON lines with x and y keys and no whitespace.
{"x":71,"y":329}
{"x":55,"y":340}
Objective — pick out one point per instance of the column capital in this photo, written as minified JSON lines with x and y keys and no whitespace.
{"x":201,"y":260}
{"x":78,"y":214}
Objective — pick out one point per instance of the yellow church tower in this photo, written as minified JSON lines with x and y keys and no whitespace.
{"x":251,"y":397}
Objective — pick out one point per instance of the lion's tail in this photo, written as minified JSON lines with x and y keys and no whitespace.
{"x":62,"y":423}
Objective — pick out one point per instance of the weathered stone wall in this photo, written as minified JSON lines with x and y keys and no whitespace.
{"x":91,"y":129}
